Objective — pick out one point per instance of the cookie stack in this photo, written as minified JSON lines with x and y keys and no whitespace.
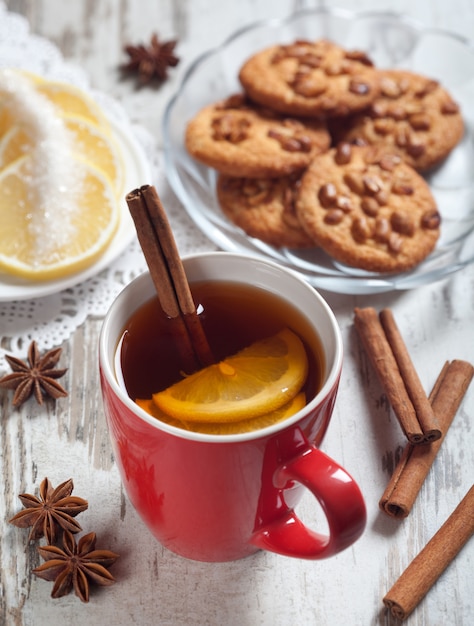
{"x":322,"y":149}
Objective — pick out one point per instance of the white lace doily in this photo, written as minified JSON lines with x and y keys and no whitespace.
{"x":52,"y":319}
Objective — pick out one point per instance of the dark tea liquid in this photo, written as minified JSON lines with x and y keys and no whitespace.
{"x":233,"y":316}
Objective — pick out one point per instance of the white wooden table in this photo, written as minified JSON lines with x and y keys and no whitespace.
{"x":154,"y":586}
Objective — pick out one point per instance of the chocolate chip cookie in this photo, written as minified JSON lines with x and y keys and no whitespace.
{"x":310,"y":78}
{"x":414,"y":116}
{"x":368,"y":209}
{"x":239,"y":138}
{"x":264,"y":208}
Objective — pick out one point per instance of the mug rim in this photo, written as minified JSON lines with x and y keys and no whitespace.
{"x":107,"y":366}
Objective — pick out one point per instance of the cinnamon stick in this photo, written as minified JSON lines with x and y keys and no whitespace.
{"x":400,"y":381}
{"x":168,"y":275}
{"x":421,"y":404}
{"x":425,"y":569}
{"x":416,"y":461}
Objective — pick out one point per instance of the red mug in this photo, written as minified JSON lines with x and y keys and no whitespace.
{"x":218,"y":498}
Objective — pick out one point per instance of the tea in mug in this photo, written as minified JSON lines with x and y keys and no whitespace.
{"x":234,"y":316}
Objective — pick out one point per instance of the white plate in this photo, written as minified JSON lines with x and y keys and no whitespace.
{"x":391,"y":41}
{"x":137,"y":173}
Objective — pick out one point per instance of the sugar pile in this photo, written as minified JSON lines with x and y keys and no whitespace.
{"x":53,"y":182}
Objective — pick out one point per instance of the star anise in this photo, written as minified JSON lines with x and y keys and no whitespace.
{"x":151,"y":61}
{"x":73,"y":566}
{"x":55,"y":509}
{"x":37,"y":377}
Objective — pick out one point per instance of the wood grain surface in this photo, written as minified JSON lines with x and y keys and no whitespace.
{"x":70,"y":439}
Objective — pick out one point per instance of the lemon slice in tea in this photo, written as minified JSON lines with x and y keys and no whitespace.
{"x":259,"y":379}
{"x":229,"y":428}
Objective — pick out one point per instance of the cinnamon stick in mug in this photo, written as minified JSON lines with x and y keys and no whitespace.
{"x":416,"y":461}
{"x":166,"y":270}
{"x":396,"y":372}
{"x":425,"y":569}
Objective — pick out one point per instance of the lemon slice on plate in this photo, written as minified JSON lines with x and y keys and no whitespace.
{"x":5,"y":119}
{"x":66,"y":98}
{"x":14,"y":143}
{"x":257,"y":380}
{"x":72,"y":101}
{"x":228,"y":428}
{"x":45,"y":236}
{"x":98,"y":148}
{"x":61,"y":178}
{"x":87,"y":141}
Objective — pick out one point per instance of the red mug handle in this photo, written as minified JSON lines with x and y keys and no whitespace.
{"x":339,"y":497}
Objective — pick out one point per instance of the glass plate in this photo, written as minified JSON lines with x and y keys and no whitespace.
{"x":392,"y":42}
